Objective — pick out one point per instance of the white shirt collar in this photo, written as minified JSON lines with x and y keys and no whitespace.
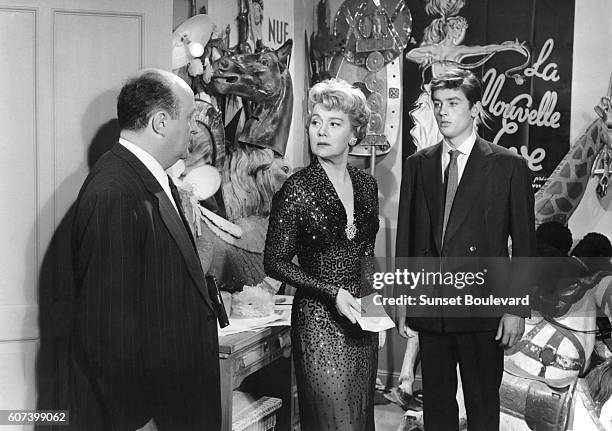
{"x":151,"y":164}
{"x":465,"y":148}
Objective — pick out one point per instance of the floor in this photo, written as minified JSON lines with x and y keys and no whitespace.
{"x":388,"y":417}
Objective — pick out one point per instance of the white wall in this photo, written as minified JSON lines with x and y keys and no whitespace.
{"x":592,"y":68}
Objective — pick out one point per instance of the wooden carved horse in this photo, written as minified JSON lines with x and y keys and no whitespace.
{"x":556,"y":348}
{"x":263,"y":80}
{"x":253,"y":168}
{"x":540,"y":386}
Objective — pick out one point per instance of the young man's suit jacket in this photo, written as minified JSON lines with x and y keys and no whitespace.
{"x":144,"y":341}
{"x":494,"y":199}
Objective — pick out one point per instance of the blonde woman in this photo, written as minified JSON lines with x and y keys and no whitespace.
{"x":327,"y":215}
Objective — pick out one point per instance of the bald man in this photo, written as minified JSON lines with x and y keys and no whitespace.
{"x":144,"y":346}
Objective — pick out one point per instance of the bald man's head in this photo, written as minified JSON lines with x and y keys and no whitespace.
{"x":150,"y":91}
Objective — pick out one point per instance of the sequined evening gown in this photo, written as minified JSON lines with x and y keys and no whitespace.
{"x":335,"y":361}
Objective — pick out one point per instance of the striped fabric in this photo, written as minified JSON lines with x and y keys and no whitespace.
{"x":144,"y":340}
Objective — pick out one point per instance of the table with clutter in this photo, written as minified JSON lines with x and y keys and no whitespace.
{"x":246,"y":346}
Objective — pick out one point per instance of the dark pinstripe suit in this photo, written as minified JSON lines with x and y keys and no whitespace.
{"x":144,"y":341}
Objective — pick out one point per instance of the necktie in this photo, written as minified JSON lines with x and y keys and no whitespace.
{"x":451,"y":177}
{"x":177,"y":201}
{"x":175,"y":194}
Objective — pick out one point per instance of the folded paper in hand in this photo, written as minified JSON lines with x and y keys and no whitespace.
{"x":374,"y":317}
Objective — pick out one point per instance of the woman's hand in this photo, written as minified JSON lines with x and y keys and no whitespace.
{"x":345,"y":302}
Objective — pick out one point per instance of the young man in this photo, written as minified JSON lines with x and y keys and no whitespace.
{"x":463,"y":197}
{"x":144,"y":346}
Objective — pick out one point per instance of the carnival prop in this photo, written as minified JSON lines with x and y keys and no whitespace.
{"x":235,"y":163}
{"x":590,"y":156}
{"x":541,"y":388}
{"x":368,"y":37}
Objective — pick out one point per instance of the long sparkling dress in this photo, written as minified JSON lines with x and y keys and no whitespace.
{"x":335,"y":361}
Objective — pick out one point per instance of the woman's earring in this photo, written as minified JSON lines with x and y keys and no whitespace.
{"x":352,"y":142}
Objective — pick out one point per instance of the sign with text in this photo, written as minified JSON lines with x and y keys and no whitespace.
{"x":269,"y":20}
{"x":528,"y":100}
{"x":278,"y":20}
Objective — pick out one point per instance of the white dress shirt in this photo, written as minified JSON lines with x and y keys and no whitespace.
{"x":465,"y":148}
{"x":152,"y":165}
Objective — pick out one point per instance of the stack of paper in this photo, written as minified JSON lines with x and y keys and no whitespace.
{"x":281,"y":317}
{"x":374,"y":317}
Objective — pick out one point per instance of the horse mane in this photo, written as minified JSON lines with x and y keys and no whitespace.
{"x":250,"y":178}
{"x":599,"y":382}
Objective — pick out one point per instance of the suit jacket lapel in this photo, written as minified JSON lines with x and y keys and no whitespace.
{"x":171,"y":219}
{"x":432,"y":179}
{"x":184,"y":242}
{"x":471,"y":186}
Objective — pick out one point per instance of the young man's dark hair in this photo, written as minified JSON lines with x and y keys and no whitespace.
{"x":141,"y":97}
{"x":464,"y":197}
{"x":459,"y":79}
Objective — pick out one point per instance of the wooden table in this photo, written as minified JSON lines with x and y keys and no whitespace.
{"x":242,"y":354}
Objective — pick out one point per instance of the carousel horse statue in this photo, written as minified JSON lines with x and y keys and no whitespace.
{"x":541,"y":389}
{"x":263,"y":81}
{"x":228,"y":185}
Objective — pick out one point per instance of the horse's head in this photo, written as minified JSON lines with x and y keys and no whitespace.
{"x":257,"y":77}
{"x":263,"y":80}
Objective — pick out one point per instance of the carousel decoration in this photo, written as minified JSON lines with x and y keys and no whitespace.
{"x":602,"y":167}
{"x":368,"y":37}
{"x":375,"y":33}
{"x":244,"y":101}
{"x":542,"y":386}
{"x":562,"y":192}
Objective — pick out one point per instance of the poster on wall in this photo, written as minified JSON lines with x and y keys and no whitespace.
{"x":268,"y":21}
{"x":522,"y":51}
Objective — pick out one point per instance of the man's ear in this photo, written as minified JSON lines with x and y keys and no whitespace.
{"x":475,"y":109}
{"x":159,"y":122}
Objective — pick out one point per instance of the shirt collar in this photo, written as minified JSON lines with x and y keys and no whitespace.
{"x":465,"y":148}
{"x":149,"y":161}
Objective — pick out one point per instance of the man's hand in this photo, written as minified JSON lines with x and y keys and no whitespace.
{"x":510,"y":330}
{"x":344,"y":302}
{"x":400,"y":322}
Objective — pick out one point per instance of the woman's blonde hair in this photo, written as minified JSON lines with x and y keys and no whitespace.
{"x":339,"y":95}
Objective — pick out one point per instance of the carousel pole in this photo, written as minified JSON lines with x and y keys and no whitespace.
{"x":372,"y":159}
